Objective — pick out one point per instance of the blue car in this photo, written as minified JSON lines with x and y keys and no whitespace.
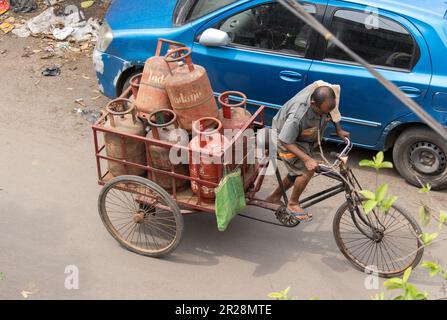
{"x":263,"y":50}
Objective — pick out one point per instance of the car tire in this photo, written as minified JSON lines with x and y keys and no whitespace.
{"x":126,"y":83}
{"x":419,"y":156}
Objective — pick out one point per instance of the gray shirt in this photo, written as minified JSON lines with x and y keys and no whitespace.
{"x":298,"y":123}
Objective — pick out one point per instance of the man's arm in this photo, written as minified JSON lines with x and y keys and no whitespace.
{"x":310,"y":163}
{"x":340,"y":132}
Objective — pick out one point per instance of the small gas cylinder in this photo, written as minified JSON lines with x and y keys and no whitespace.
{"x":152,"y":95}
{"x":164,"y":127}
{"x":189,"y":90}
{"x":205,"y":160}
{"x":234,"y":117}
{"x":122,"y":117}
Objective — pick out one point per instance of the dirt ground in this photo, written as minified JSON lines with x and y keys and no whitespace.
{"x":48,"y":213}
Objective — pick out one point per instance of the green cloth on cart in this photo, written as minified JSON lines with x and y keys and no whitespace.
{"x":230,"y":199}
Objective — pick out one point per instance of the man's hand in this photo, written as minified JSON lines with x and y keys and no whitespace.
{"x":343,"y":134}
{"x":311,"y":164}
{"x":340,"y":132}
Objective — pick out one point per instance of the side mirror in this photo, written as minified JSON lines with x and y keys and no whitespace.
{"x":214,"y":38}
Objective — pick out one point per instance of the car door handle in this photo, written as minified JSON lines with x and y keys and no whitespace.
{"x":411,"y":91}
{"x":290,"y":76}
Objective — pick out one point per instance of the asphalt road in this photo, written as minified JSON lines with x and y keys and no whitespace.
{"x":49,"y":218}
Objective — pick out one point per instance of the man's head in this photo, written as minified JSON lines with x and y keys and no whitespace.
{"x":323,"y":99}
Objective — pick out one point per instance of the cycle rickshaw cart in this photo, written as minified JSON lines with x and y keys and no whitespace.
{"x":147,"y":219}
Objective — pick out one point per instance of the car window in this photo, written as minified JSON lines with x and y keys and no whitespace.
{"x":269,"y":27}
{"x":201,"y":8}
{"x":382,"y":43}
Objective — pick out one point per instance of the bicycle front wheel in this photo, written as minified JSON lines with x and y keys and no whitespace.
{"x":386,"y":244}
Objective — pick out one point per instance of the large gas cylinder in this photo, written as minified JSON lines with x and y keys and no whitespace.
{"x":152,"y":95}
{"x":122,"y":117}
{"x":189,"y":90}
{"x":164,"y":127}
{"x":205,"y":160}
{"x":234,"y":116}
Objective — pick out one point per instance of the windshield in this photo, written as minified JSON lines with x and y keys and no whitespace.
{"x":190,"y":10}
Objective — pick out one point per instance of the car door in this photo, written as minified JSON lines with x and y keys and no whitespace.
{"x":390,"y":43}
{"x":269,"y":55}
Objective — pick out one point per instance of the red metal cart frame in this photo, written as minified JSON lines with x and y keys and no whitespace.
{"x":185,"y":199}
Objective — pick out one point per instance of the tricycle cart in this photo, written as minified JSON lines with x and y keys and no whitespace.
{"x":147,"y":219}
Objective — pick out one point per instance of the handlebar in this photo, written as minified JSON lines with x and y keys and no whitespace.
{"x":339,"y":156}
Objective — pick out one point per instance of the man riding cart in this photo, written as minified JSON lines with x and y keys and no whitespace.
{"x":300,"y":124}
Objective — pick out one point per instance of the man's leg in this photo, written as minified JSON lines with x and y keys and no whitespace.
{"x":275,"y":196}
{"x":299,"y":186}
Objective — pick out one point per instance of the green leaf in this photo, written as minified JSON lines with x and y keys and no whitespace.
{"x":286,"y":291}
{"x":368,"y":194}
{"x":424,"y":215}
{"x":381,"y":192}
{"x":393,"y":283}
{"x":275,"y":295}
{"x":369,"y":205}
{"x":378,"y":159}
{"x":425,"y":189}
{"x":388,"y":203}
{"x":442,"y":218}
{"x":407,"y":274}
{"x":2,"y":276}
{"x":367,"y":163}
{"x":379,"y":296}
{"x":434,"y":269}
{"x":428,"y":238}
{"x":87,"y":4}
{"x":386,"y":165}
{"x":421,"y":296}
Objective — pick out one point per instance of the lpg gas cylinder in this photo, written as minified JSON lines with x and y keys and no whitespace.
{"x":122,"y":118}
{"x":135,"y":85}
{"x":205,"y":160}
{"x":152,"y":95}
{"x":234,"y":117}
{"x":164,"y":127}
{"x":189,"y":90}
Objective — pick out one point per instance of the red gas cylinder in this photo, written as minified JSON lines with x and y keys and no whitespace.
{"x":234,"y":116}
{"x":189,"y":90}
{"x":135,"y":85}
{"x":121,"y":117}
{"x":164,"y":127}
{"x":206,"y":155}
{"x":152,"y":95}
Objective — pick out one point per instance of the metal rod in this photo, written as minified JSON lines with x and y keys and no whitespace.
{"x":338,"y":186}
{"x":299,"y":11}
{"x":320,"y":199}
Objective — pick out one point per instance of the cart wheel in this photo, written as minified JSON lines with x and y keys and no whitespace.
{"x":386,"y":244}
{"x":141,"y":216}
{"x":286,"y":219}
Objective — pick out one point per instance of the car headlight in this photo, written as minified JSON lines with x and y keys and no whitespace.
{"x":105,"y":37}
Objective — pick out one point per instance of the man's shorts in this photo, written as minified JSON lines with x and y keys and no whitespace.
{"x":295,"y":166}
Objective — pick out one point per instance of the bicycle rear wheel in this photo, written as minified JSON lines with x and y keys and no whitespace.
{"x":387,"y":244}
{"x":141,"y":215}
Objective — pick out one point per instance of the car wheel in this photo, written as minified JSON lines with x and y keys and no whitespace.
{"x":420,"y":157}
{"x":127,"y":82}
